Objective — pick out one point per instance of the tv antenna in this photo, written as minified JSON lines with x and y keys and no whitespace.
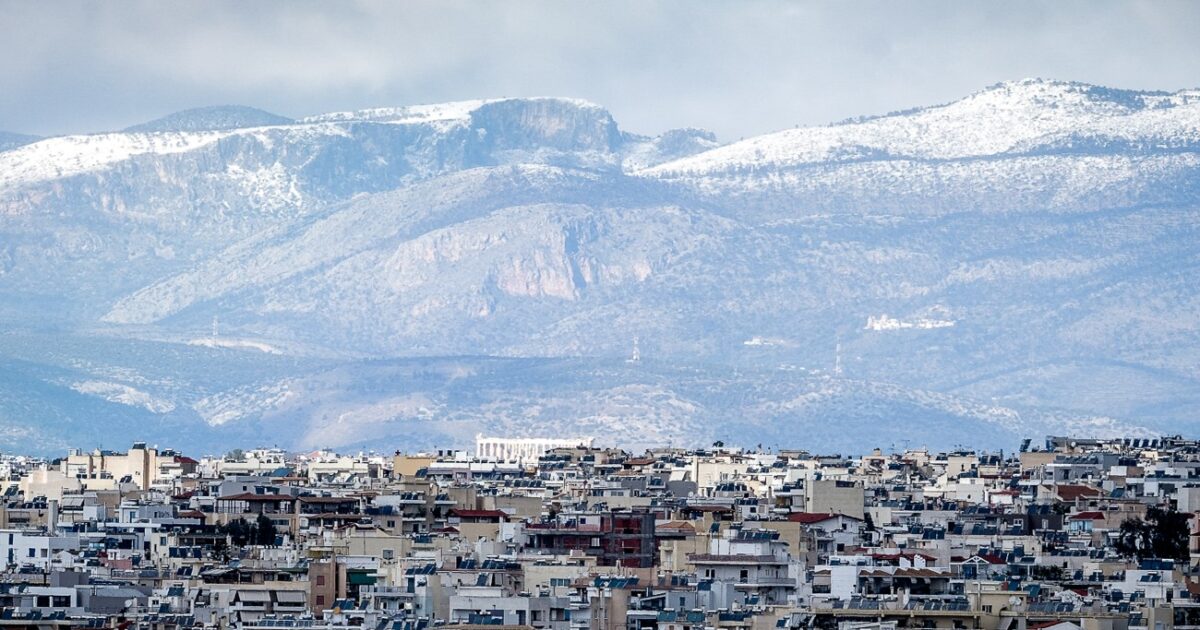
{"x":636,"y":357}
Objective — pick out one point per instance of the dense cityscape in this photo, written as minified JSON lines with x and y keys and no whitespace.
{"x":568,"y":535}
{"x":619,"y":315}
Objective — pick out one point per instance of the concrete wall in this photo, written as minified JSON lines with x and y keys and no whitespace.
{"x":834,"y":497}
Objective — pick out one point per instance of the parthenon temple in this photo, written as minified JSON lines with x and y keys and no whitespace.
{"x":523,"y":450}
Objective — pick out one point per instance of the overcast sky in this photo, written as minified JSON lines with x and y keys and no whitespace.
{"x":738,"y":68}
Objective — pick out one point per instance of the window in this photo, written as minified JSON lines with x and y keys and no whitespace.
{"x":320,"y":600}
{"x":320,"y":582}
{"x":388,"y":554}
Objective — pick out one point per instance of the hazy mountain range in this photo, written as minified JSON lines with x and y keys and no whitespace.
{"x":1022,"y":261}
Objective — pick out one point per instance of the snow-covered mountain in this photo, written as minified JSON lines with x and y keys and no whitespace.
{"x":1012,"y":118}
{"x":1020,"y":261}
{"x":77,"y":207}
{"x":1020,"y":146}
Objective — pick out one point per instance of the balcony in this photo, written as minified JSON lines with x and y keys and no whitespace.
{"x":765,"y":582}
{"x":734,"y":559}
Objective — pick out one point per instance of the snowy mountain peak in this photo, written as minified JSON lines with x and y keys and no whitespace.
{"x":1029,"y":116}
{"x":436,"y":112}
{"x":1054,"y":94}
{"x":214,"y":118}
{"x":455,"y":110}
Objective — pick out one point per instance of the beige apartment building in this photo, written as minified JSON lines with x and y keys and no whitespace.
{"x":139,"y":465}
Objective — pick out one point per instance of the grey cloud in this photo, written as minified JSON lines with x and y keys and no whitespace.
{"x":738,"y":68}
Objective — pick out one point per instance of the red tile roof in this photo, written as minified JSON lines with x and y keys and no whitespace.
{"x":478,"y":513}
{"x":676,"y":526}
{"x":1072,"y":492}
{"x":808,"y":518}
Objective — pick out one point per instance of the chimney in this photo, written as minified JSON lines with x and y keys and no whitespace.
{"x":52,"y":517}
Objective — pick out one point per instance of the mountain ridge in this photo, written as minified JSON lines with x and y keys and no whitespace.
{"x":1027,"y":100}
{"x":1019,"y":258}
